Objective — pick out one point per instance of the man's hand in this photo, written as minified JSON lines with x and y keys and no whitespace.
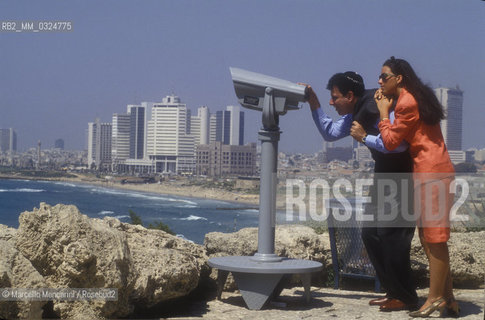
{"x":383,"y":104}
{"x":312,"y":97}
{"x":357,"y":132}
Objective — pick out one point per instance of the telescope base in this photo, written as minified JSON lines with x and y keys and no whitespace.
{"x":258,"y":281}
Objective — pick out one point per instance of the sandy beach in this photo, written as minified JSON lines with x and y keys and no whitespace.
{"x":178,"y":189}
{"x":175,"y":187}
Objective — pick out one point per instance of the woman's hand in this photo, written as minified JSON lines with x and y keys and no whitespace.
{"x":312,"y":97}
{"x":357,"y":131}
{"x":383,"y":104}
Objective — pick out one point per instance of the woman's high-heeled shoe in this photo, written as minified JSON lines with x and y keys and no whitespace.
{"x":452,"y":308}
{"x":438,"y":304}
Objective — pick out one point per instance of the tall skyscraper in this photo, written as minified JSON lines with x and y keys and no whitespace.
{"x":120,"y":143}
{"x":138,"y":122}
{"x":169,"y":143}
{"x":204,"y":116}
{"x":212,"y":127}
{"x":200,"y":126}
{"x":99,"y":145}
{"x":229,"y":126}
{"x":236,"y":132}
{"x":8,"y":140}
{"x":452,"y":101}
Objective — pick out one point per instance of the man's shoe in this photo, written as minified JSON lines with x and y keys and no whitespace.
{"x":394,"y":305}
{"x":379,"y":301}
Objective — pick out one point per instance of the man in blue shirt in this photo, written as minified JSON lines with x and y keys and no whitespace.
{"x":388,"y":247}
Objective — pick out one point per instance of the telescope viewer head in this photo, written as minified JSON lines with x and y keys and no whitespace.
{"x":252,"y":88}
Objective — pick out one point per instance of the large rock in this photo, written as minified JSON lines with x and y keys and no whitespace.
{"x":17,"y":272}
{"x":166,"y":266}
{"x":467,"y":252}
{"x":8,"y":234}
{"x":467,"y":259}
{"x":71,"y":250}
{"x":291,"y":241}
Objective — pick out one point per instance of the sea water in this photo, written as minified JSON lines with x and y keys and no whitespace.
{"x":191,"y":218}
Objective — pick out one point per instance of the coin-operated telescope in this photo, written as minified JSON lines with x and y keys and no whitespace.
{"x":272,"y":96}
{"x":257,"y":276}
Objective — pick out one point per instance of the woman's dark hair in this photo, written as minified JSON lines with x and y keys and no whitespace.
{"x":430,"y":109}
{"x":348,"y":81}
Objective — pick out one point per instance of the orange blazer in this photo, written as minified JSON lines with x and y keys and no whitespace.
{"x":426,"y":144}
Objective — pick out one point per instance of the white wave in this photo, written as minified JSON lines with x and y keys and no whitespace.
{"x":121,"y":217}
{"x":108,"y":191}
{"x":187,"y":206}
{"x":193,"y":218}
{"x":66,"y":184}
{"x":251,"y":210}
{"x":141,"y":195}
{"x":22,"y":190}
{"x":105,"y":212}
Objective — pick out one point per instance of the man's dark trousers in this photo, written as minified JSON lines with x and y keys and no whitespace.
{"x":388,"y":244}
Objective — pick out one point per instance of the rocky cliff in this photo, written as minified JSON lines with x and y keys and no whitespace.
{"x":58,"y":247}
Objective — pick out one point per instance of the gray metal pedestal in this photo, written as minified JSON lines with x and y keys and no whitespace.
{"x":258,"y":276}
{"x":257,"y":280}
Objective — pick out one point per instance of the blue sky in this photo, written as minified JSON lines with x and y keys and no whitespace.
{"x":123,"y":52}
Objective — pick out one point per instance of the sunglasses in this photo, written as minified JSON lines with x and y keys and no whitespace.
{"x":386,"y":76}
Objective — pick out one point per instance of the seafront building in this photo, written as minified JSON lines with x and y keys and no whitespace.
{"x":229,"y":126}
{"x":200,"y":126}
{"x":163,"y":137}
{"x":8,"y":140}
{"x":217,"y":159}
{"x":120,"y":144}
{"x":138,"y":124}
{"x":99,"y":145}
{"x":169,"y":143}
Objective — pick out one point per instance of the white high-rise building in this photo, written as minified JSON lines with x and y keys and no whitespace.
{"x":212,"y":127}
{"x":236,"y":131}
{"x":451,"y":127}
{"x":120,"y":145}
{"x":99,"y":145}
{"x":204,"y":116}
{"x":195,"y":129}
{"x":200,"y":126}
{"x":169,"y":144}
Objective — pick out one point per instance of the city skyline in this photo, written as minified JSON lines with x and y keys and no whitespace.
{"x":126,"y":52}
{"x":165,"y":137}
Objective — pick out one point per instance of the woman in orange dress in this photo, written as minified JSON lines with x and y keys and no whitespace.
{"x":417,"y":120}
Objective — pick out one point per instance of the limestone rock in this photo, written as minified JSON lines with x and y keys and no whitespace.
{"x":17,"y":272}
{"x":291,"y":241}
{"x":467,"y":259}
{"x":166,"y":266}
{"x":8,"y":234}
{"x":71,"y":250}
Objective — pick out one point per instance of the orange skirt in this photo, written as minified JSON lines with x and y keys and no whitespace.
{"x":433,"y":200}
